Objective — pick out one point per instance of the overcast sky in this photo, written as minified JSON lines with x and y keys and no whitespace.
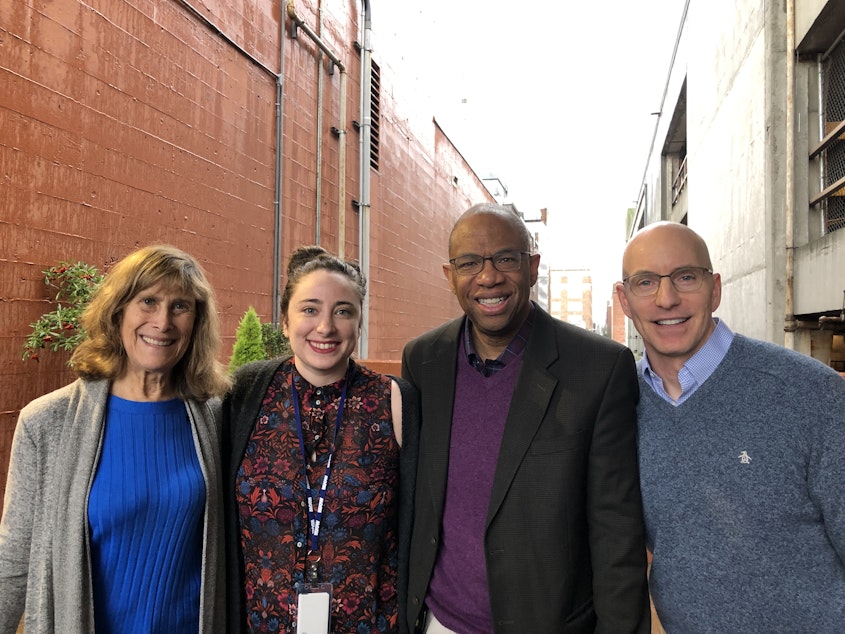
{"x":555,"y":99}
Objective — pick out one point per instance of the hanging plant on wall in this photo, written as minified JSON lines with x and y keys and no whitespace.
{"x":60,"y":329}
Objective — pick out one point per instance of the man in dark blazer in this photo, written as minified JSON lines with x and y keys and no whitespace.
{"x":528,"y":516}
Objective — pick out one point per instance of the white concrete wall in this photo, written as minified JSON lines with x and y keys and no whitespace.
{"x":733,"y":56}
{"x":726,"y":128}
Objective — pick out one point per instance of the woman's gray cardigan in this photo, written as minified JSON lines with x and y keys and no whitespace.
{"x":45,"y":561}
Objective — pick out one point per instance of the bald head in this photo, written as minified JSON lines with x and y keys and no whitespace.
{"x":658,"y":242}
{"x":520,"y":231}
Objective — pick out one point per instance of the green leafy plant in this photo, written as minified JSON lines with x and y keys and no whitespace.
{"x":60,"y":329}
{"x":275,"y":342}
{"x":249,"y":344}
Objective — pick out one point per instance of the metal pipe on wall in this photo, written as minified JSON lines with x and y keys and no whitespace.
{"x":300,"y":23}
{"x":364,"y":175}
{"x":277,"y":194}
{"x":341,"y":168}
{"x":789,"y":221}
{"x":318,"y":171}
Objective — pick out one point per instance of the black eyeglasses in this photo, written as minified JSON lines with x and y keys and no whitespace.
{"x":472,"y":264}
{"x":685,"y":280}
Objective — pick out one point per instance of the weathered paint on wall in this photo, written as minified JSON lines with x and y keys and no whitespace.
{"x":127,"y":123}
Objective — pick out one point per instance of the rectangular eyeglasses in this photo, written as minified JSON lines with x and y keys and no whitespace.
{"x":472,"y":264}
{"x":685,"y":280}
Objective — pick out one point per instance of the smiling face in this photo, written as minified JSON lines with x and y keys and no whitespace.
{"x":673,"y":325}
{"x":156,"y":327}
{"x":322,"y":322}
{"x":496,"y":302}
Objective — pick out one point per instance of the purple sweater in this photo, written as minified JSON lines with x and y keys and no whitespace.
{"x":458,"y":594}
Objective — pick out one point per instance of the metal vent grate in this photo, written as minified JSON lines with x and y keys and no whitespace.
{"x":375,"y":114}
{"x":834,"y":156}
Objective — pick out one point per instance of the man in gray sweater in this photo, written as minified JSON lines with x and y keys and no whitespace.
{"x":742,"y":456}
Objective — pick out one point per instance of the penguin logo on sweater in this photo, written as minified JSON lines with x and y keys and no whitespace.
{"x":744,"y":458}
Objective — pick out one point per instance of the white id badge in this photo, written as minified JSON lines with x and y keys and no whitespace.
{"x":313,"y":608}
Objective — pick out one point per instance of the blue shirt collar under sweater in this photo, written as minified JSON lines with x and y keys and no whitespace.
{"x":698,"y":368}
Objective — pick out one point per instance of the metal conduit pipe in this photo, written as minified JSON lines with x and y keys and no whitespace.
{"x":240,"y":49}
{"x":789,"y":221}
{"x":364,"y":174}
{"x":298,"y":22}
{"x":277,"y":193}
{"x":341,"y":168}
{"x":318,"y":168}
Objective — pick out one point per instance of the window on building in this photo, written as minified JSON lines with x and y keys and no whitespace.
{"x":834,"y":156}
{"x":675,"y":159}
{"x":830,"y":151}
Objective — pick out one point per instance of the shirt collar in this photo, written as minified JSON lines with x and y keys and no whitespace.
{"x":698,"y":368}
{"x":513,"y":350}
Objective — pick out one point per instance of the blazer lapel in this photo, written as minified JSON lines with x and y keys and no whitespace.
{"x":438,"y":375}
{"x":534,"y":388}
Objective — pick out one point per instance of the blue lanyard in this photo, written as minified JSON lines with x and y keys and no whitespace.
{"x":314,"y":517}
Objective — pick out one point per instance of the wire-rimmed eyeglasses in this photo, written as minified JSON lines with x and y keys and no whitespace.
{"x":472,"y":264}
{"x":685,"y":280}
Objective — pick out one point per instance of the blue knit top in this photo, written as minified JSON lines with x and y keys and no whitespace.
{"x":145,"y":513}
{"x":744,"y":496}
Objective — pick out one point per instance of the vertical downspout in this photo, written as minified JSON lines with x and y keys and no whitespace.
{"x":789,"y":225}
{"x":277,"y":197}
{"x":299,"y":23}
{"x":364,"y":197}
{"x":341,"y":168}
{"x":318,"y":170}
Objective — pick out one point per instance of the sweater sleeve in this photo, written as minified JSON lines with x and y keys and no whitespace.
{"x":826,"y":469}
{"x":407,"y":486}
{"x":22,"y":489}
{"x":240,"y":407}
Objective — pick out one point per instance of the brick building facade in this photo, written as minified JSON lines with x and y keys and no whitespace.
{"x":210,"y":127}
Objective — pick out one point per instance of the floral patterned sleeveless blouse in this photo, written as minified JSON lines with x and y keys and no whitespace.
{"x":357,"y":537}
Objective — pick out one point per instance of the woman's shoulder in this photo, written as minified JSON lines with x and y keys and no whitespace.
{"x":78,"y":391}
{"x":45,"y":415}
{"x":245,"y":376}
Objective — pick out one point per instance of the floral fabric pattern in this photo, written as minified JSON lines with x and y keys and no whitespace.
{"x":357,"y":550}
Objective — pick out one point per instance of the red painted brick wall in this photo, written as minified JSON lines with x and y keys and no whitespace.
{"x":617,"y":320}
{"x":127,"y":123}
